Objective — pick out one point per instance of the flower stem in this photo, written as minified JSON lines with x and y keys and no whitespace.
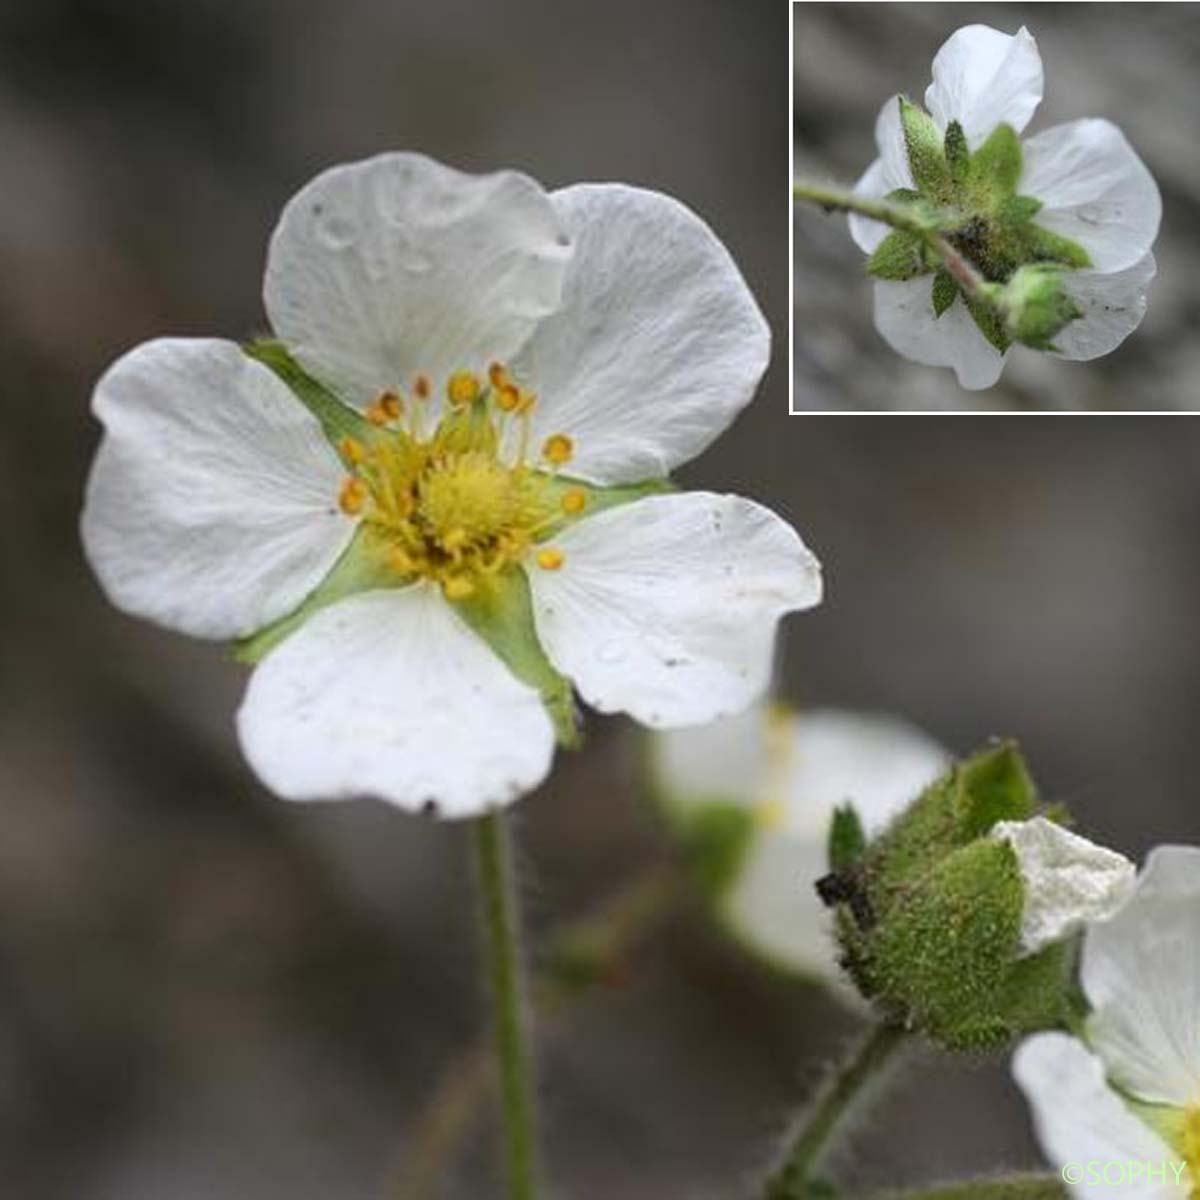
{"x":1017,"y":1187}
{"x":792,"y":1179}
{"x":499,"y":918}
{"x":900,"y":216}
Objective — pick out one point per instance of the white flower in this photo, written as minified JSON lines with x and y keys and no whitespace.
{"x":788,"y":772}
{"x":1092,"y":187}
{"x":1068,"y":880}
{"x":1128,"y":1089}
{"x":461,"y":549}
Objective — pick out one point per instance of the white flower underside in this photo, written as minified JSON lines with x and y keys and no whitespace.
{"x":792,"y":771}
{"x":1093,"y":187}
{"x":1140,"y":972}
{"x":213,"y":505}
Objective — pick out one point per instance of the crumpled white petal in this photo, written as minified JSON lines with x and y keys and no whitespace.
{"x":666,"y":608}
{"x":1080,"y":1120}
{"x":388,"y":694}
{"x":212,"y":504}
{"x":658,"y":343}
{"x":891,"y":170}
{"x":905,"y":319}
{"x":1068,"y":880}
{"x":983,"y":78}
{"x":383,"y":269}
{"x":1113,"y":306}
{"x":1095,"y":190}
{"x":1141,"y":973}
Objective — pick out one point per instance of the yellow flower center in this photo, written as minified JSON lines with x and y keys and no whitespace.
{"x":458,"y":506}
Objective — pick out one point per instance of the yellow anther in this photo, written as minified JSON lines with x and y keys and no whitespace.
{"x":574,"y":501}
{"x":352,"y":450}
{"x":557,"y":449}
{"x":376,"y":414}
{"x":508,"y":397}
{"x":456,"y":539}
{"x":457,"y":588}
{"x":497,"y":375}
{"x":392,"y":405}
{"x":550,"y":559}
{"x":421,"y":386}
{"x":352,"y":496}
{"x":401,"y":562}
{"x":463,"y":388}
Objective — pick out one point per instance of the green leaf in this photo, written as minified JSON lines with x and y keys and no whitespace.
{"x":990,"y":324}
{"x":1044,"y":246}
{"x":958,"y":157}
{"x":926,"y":157}
{"x":1018,"y":210}
{"x":362,"y":567}
{"x":901,"y":255}
{"x":502,"y":614}
{"x":847,"y":839}
{"x":996,"y":165}
{"x":944,"y":291}
{"x":338,"y":420}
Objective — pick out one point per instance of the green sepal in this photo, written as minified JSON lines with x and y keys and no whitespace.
{"x":338,"y":420}
{"x":1037,"y":305}
{"x":1043,"y":246}
{"x":958,"y":156}
{"x":901,"y":255}
{"x":942,"y":957}
{"x":598,"y":498}
{"x":716,"y":838}
{"x":926,"y":156}
{"x":990,"y":324}
{"x":903,"y":196}
{"x":996,"y":165}
{"x":993,"y":785}
{"x":1018,"y":210}
{"x":363,"y":567}
{"x":502,"y":615}
{"x":944,"y":291}
{"x":847,"y":839}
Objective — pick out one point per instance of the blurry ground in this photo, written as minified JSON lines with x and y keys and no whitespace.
{"x":1132,"y":63}
{"x":205,"y":993}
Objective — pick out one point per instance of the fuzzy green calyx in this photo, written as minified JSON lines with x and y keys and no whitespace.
{"x":1037,"y":305}
{"x":972,"y":200}
{"x":929,"y":916}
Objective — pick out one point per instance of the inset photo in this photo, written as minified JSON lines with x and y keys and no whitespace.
{"x":995,"y":207}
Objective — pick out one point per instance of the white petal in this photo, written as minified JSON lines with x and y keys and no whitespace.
{"x":905,"y":319}
{"x":1141,"y":972}
{"x":983,"y":78}
{"x":773,"y":909}
{"x":1095,"y":190}
{"x":1068,"y":880}
{"x":1113,"y":305}
{"x":891,"y":170}
{"x":397,"y":265}
{"x":666,"y":608}
{"x":389,"y":694}
{"x":212,"y":504}
{"x":1081,"y":1121}
{"x":658,"y":344}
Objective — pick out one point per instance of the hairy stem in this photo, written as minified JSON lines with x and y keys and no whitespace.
{"x":1016,"y":1187}
{"x":792,"y":1179}
{"x":899,"y":216}
{"x":510,"y":1040}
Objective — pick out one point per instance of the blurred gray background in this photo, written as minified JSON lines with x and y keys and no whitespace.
{"x":207,"y":993}
{"x":1131,"y":63}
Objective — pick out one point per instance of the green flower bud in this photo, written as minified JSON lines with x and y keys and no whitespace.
{"x":960,"y":918}
{"x":1037,"y":305}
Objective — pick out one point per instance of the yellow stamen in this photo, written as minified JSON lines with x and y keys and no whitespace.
{"x":550,"y":559}
{"x":457,"y":588}
{"x":392,"y":406}
{"x":353,"y":496}
{"x":574,"y":501}
{"x":352,"y":450}
{"x":527,"y":403}
{"x":421,"y":387}
{"x":463,"y":388}
{"x":497,"y":376}
{"x":558,"y":449}
{"x":377,"y":415}
{"x":508,"y":398}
